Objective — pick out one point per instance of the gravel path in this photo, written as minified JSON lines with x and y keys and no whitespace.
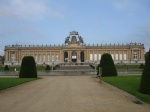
{"x":67,"y":94}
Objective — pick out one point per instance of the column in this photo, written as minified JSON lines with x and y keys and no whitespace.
{"x":78,"y":58}
{"x":93,"y":55}
{"x":55,"y":55}
{"x":9,"y":55}
{"x":50,"y":56}
{"x":6,"y":55}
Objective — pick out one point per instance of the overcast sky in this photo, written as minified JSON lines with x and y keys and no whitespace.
{"x":41,"y":22}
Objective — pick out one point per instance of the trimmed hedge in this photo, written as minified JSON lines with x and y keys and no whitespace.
{"x":47,"y":67}
{"x":28,"y":68}
{"x":141,"y":66}
{"x":107,"y":65}
{"x":6,"y":68}
{"x":145,"y":80}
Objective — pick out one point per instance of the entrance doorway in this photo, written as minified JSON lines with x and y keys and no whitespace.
{"x":65,"y":56}
{"x":74,"y":56}
{"x":82,"y":56}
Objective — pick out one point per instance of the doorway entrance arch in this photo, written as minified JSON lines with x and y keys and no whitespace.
{"x":65,"y":56}
{"x":74,"y":56}
{"x":82,"y":56}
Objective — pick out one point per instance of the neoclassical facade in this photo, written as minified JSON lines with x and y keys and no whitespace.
{"x":74,"y":50}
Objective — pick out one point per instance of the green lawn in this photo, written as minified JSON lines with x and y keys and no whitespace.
{"x":130,"y":84}
{"x":10,"y":82}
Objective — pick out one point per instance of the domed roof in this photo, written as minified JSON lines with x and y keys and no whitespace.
{"x":74,"y":37}
{"x":73,"y":33}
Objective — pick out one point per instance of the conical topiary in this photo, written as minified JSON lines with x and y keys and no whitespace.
{"x":6,"y":68}
{"x":47,"y":67}
{"x":107,"y":65}
{"x":145,"y":80}
{"x":28,"y":68}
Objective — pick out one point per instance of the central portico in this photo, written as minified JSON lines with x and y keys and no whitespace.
{"x":75,"y":52}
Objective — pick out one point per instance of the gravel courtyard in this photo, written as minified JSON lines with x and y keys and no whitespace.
{"x":67,"y":94}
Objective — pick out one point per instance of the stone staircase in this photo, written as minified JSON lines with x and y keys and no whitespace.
{"x":74,"y":68}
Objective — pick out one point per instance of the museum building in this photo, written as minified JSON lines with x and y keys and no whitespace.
{"x":74,"y":50}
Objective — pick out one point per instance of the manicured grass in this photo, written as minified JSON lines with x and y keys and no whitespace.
{"x":130,"y":84}
{"x":122,"y":67}
{"x":10,"y":82}
{"x":10,"y":68}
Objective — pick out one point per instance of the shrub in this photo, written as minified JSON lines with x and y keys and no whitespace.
{"x":28,"y":68}
{"x":145,"y":80}
{"x":6,"y":68}
{"x":47,"y":67}
{"x":107,"y":65}
{"x":141,"y":66}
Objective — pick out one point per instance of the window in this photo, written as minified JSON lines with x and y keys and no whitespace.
{"x":23,"y":56}
{"x":120,"y":56}
{"x":125,"y":56}
{"x":56,"y":57}
{"x":48,"y":57}
{"x":135,"y":56}
{"x":13,"y":57}
{"x":95,"y":57}
{"x":116,"y":56}
{"x":35,"y":57}
{"x":40,"y":57}
{"x":52,"y":57}
{"x":99,"y":56}
{"x":44,"y":58}
{"x":91,"y":56}
{"x":112,"y":55}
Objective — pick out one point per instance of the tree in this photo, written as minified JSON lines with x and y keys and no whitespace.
{"x":28,"y":68}
{"x":107,"y":65}
{"x":145,"y":80}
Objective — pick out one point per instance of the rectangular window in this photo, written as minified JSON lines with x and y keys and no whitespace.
{"x":95,"y":57}
{"x":125,"y":56}
{"x":91,"y":56}
{"x":13,"y":57}
{"x":56,"y":57}
{"x":120,"y":56}
{"x":23,"y":56}
{"x":48,"y":57}
{"x":36,"y":58}
{"x":135,"y":56}
{"x":40,"y":57}
{"x":52,"y":57}
{"x":99,"y":56}
{"x":112,"y":55}
{"x":116,"y":56}
{"x":44,"y":58}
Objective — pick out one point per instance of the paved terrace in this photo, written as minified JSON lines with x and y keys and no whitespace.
{"x":67,"y":94}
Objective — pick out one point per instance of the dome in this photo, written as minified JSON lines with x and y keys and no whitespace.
{"x":74,"y":37}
